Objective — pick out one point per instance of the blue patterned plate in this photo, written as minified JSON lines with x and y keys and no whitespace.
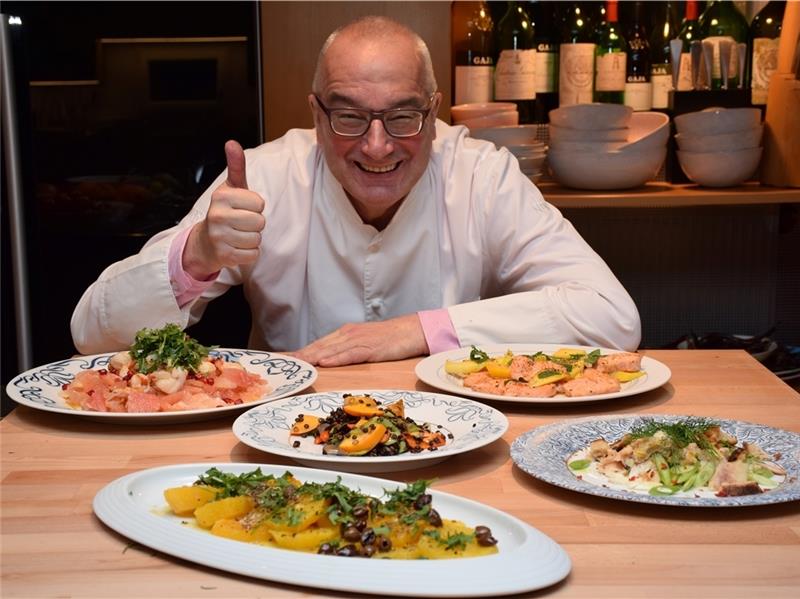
{"x":471,"y":424}
{"x":40,"y":387}
{"x":543,"y":453}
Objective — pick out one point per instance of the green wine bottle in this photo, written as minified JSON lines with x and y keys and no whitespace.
{"x":609,"y":58}
{"x":514,"y":78}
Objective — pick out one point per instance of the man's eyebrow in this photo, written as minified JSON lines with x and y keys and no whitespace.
{"x":343,"y":100}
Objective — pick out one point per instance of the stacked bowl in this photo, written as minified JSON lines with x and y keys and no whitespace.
{"x":606,"y":146}
{"x":521,"y":141}
{"x":489,"y":114}
{"x":719,"y":147}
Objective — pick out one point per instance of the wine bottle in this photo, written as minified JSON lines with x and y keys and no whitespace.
{"x":638,"y":89}
{"x":546,"y":40}
{"x":609,"y":58}
{"x":662,"y":32}
{"x":474,"y":55}
{"x":765,"y":31}
{"x":514,"y":75}
{"x":576,"y":57}
{"x":689,"y":32}
{"x":720,"y":21}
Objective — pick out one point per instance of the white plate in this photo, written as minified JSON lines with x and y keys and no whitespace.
{"x":472,"y":425}
{"x":431,"y":371}
{"x":133,"y":506}
{"x":40,"y":387}
{"x":543,"y":453}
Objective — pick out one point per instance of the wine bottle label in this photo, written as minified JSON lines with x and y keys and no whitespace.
{"x":546,"y":68}
{"x":685,"y":73}
{"x":661,"y":80}
{"x":610,"y":72}
{"x":575,"y":74}
{"x":639,"y":95}
{"x":473,"y":84}
{"x":733,"y":64}
{"x":765,"y":63}
{"x":514,"y":76}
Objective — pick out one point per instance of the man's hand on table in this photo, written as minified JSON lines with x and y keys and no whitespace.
{"x":230,"y":234}
{"x":394,"y":339}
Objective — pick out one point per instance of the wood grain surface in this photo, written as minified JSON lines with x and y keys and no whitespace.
{"x":52,"y":466}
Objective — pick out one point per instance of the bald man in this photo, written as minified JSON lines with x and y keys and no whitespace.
{"x":381,"y":234}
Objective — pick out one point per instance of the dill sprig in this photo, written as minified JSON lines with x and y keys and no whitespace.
{"x":682,"y":433}
{"x":166,"y":348}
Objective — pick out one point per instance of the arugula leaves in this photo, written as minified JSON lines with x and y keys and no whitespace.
{"x":166,"y":348}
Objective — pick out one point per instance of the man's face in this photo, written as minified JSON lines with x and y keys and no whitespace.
{"x":376,"y":170}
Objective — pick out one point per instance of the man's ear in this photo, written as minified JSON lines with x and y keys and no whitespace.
{"x":312,"y":104}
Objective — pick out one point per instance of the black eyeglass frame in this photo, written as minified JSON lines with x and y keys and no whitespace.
{"x":380,"y":115}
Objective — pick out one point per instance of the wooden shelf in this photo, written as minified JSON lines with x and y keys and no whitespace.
{"x":668,"y":195}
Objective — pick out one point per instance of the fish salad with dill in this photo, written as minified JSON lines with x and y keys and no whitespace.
{"x":571,"y":372}
{"x":692,"y":456}
{"x":363,"y":427}
{"x":326,"y":518}
{"x":164,"y":370}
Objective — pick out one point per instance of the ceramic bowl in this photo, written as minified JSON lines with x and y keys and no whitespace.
{"x":587,"y":146}
{"x":517,"y":135}
{"x":738,"y":140}
{"x":559,"y":134}
{"x":647,"y":130}
{"x":460,"y":112}
{"x":592,"y":116}
{"x":531,"y":165}
{"x":605,"y":170}
{"x":715,"y":121}
{"x":528,"y":150}
{"x":498,"y":119}
{"x":720,"y":169}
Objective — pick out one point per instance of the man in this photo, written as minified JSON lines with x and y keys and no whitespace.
{"x":382,"y":234}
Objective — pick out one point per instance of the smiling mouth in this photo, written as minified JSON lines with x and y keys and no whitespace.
{"x":378,"y":169}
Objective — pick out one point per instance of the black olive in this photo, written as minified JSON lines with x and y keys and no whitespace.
{"x":348,"y":551}
{"x":383,"y":543}
{"x":325,"y":549}
{"x":482,"y":531}
{"x":486,"y":540}
{"x":361,"y":511}
{"x":435,"y":519}
{"x":351,"y":533}
{"x":368,"y":537}
{"x":360,"y":524}
{"x":368,"y":550}
{"x":422,"y":501}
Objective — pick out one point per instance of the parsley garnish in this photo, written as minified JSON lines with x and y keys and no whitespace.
{"x":477,"y":355}
{"x":233,"y":485}
{"x":548,"y":373}
{"x":166,"y":348}
{"x":454,"y":541}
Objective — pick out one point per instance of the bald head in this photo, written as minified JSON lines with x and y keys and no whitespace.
{"x":381,"y":31}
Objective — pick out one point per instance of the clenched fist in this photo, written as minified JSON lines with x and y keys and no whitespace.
{"x":230,"y":234}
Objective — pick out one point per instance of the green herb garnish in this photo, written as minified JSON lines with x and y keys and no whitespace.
{"x":682,"y":433}
{"x":233,"y":485}
{"x":548,"y":373}
{"x":592,"y":357}
{"x":454,"y":541}
{"x":166,"y":348}
{"x":477,"y":355}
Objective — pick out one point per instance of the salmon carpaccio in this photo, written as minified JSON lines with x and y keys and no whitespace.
{"x":113,"y":390}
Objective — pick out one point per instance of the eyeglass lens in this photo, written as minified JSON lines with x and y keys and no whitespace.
{"x":399,"y":123}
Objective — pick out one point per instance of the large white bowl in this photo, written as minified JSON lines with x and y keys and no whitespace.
{"x":459,"y":112}
{"x":528,"y":150}
{"x":559,"y":134}
{"x":531,"y":165}
{"x":714,"y":121}
{"x":498,"y":119}
{"x":517,"y":135}
{"x":647,"y":130}
{"x":720,"y":169}
{"x":592,"y":116}
{"x":587,"y":146}
{"x":738,"y":140}
{"x":605,"y":170}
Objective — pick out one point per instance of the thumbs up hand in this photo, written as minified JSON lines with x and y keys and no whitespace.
{"x":230,"y":234}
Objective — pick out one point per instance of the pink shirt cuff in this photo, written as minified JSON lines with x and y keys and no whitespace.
{"x":438,"y":330}
{"x":185,"y":287}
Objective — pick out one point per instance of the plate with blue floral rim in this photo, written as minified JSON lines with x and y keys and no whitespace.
{"x":40,"y":387}
{"x":543,"y":453}
{"x":431,"y":370}
{"x":467,"y":425}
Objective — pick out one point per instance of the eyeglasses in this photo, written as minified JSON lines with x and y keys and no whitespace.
{"x":354,"y":122}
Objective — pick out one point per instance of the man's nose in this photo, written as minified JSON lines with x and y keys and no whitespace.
{"x":377,"y":143}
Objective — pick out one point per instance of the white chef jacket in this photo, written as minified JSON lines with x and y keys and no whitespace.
{"x":474,"y":235}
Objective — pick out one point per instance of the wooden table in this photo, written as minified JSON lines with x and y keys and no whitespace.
{"x":53,"y":546}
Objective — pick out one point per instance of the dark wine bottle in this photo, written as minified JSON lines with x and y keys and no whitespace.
{"x":609,"y":58}
{"x":474,"y":55}
{"x":722,"y":21}
{"x":546,"y":39}
{"x":576,"y":57}
{"x":765,"y":31}
{"x":663,"y":30}
{"x":516,"y":61}
{"x":689,"y":32}
{"x":638,"y":89}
